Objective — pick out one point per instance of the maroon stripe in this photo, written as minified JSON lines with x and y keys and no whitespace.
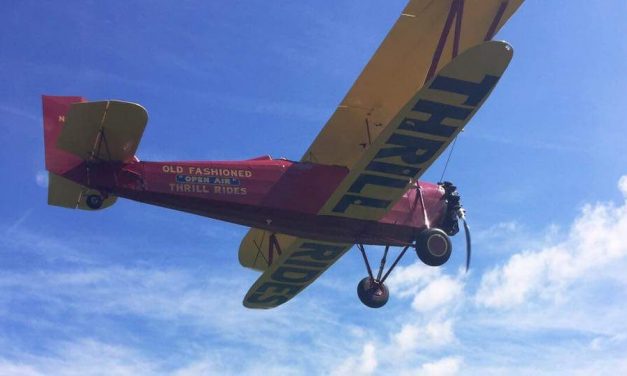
{"x":447,"y":27}
{"x":496,"y":20}
{"x":458,"y":28}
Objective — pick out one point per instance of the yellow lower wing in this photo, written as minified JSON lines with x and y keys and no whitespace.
{"x":300,"y":262}
{"x":259,"y":249}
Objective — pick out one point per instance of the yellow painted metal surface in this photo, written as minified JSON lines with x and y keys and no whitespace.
{"x":397,"y":71}
{"x":299,"y":265}
{"x":419,"y":133}
{"x":382,"y":98}
{"x":121,"y":123}
{"x":452,"y":98}
{"x":68,"y":194}
{"x":257,"y":246}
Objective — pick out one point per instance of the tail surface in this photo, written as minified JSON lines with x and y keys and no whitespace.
{"x":76,"y":131}
{"x":55,"y":110}
{"x":61,"y":191}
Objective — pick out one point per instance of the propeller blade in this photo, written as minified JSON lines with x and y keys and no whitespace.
{"x":468,"y":243}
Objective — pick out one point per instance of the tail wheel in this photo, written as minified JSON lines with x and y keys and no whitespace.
{"x":94,"y":201}
{"x":433,"y":247}
{"x":372,"y":293}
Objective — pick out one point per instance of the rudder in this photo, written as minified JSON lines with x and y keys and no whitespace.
{"x":55,"y":110}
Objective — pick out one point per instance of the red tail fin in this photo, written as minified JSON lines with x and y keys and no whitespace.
{"x":55,"y":109}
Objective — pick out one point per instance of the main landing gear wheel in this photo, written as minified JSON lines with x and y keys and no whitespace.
{"x":372,"y":293}
{"x":94,"y":201}
{"x":433,"y":247}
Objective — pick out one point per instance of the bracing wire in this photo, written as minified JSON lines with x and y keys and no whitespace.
{"x":448,"y":159}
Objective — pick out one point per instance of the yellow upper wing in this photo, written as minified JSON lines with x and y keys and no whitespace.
{"x":400,"y":67}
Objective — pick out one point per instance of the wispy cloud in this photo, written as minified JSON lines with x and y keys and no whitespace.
{"x":82,"y":357}
{"x":528,"y":142}
{"x":550,"y":304}
{"x":41,"y":178}
{"x":441,"y":367}
{"x":19,"y":112}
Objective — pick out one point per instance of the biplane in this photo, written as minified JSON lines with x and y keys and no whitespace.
{"x":357,"y":184}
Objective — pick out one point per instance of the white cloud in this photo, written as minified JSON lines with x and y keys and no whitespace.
{"x":438,"y":293}
{"x":498,"y":237}
{"x":83,"y":357}
{"x":602,"y":343}
{"x":597,"y":240}
{"x":408,"y":337}
{"x":434,"y":334}
{"x":408,"y":280}
{"x":443,"y":367}
{"x":622,"y":185}
{"x":204,"y":366}
{"x":364,"y":364}
{"x":18,"y":112}
{"x":415,"y":335}
{"x":41,"y":178}
{"x":8,"y":368}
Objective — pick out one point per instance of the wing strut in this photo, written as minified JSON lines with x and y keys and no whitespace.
{"x":363,"y":254}
{"x":496,"y":21}
{"x":455,"y":13}
{"x":372,"y":291}
{"x":273,"y":244}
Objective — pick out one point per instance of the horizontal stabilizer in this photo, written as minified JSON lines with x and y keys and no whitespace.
{"x":108,"y":130}
{"x":68,"y":194}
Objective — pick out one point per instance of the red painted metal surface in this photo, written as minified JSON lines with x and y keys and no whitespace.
{"x":55,"y":110}
{"x":277,"y":195}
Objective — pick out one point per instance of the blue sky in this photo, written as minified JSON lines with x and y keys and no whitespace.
{"x":142,"y":290}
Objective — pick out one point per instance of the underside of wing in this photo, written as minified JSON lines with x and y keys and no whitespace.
{"x":419,"y":133}
{"x":378,"y":131}
{"x":299,"y":263}
{"x":260,"y":248}
{"x":428,"y":34}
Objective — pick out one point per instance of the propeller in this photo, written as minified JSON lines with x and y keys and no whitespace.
{"x":455,"y":213}
{"x":461,"y":214}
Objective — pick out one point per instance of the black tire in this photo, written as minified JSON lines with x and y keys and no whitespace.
{"x":94,"y":201}
{"x":433,"y":247}
{"x":372,"y":294}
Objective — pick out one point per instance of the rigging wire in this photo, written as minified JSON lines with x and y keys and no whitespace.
{"x":448,"y":158}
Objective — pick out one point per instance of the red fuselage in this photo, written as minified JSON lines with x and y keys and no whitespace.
{"x":271,"y":194}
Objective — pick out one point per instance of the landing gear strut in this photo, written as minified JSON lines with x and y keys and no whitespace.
{"x":433,"y":247}
{"x":371,"y":290}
